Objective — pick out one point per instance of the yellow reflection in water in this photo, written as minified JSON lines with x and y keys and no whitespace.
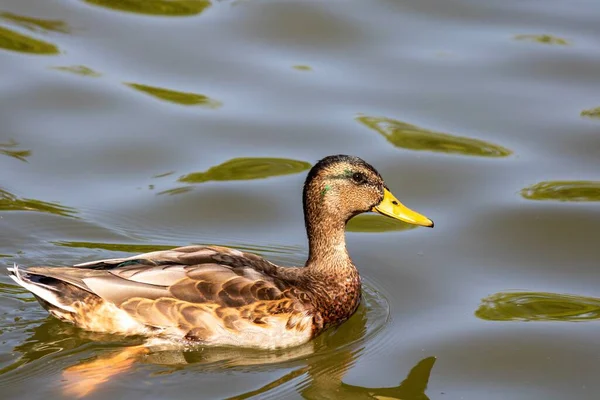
{"x":11,"y":40}
{"x":563,"y":191}
{"x":247,"y":168}
{"x":10,"y":202}
{"x":79,"y":70}
{"x":166,"y":8}
{"x":412,"y":137}
{"x":173,"y":96}
{"x":544,"y":39}
{"x":35,"y":24}
{"x":8,"y":149}
{"x":538,"y":306}
{"x":376,"y":223}
{"x":591,"y":113}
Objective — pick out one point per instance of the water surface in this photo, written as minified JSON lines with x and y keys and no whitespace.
{"x":130,"y":126}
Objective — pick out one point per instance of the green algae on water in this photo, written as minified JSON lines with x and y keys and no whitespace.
{"x":411,"y":137}
{"x":247,"y":168}
{"x":10,"y":202}
{"x":9,"y":149}
{"x":576,"y":191}
{"x":177,"y":97}
{"x":164,"y":8}
{"x":35,"y":24}
{"x":591,"y":113}
{"x":14,"y":41}
{"x":78,"y":70}
{"x":538,"y":306}
{"x":543,"y":39}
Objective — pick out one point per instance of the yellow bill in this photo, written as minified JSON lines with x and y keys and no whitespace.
{"x":391,"y":207}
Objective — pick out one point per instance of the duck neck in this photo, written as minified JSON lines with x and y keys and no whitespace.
{"x":327,"y":246}
{"x":325,"y":228}
{"x":329,"y":272}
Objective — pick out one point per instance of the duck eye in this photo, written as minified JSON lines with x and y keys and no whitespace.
{"x":359,"y":178}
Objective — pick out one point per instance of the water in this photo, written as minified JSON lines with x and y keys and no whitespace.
{"x":129,"y":126}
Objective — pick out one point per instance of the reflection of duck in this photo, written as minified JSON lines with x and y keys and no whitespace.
{"x":317,"y":367}
{"x":216,"y":295}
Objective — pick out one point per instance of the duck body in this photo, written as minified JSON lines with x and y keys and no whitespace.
{"x":211,"y":295}
{"x":220,"y":296}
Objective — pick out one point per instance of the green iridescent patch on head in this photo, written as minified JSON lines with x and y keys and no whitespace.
{"x":345,"y":175}
{"x":326,"y":189}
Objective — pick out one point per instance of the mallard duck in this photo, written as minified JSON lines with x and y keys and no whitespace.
{"x":215,"y":295}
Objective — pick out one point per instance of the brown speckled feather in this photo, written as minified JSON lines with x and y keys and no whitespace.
{"x":208,"y":294}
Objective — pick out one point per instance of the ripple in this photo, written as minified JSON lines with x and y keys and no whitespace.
{"x":538,"y":306}
{"x":591,"y":113}
{"x":8,"y":149}
{"x":247,"y":168}
{"x":78,"y":70}
{"x":412,"y":137}
{"x":173,"y":96}
{"x":376,"y":223}
{"x":544,"y":39}
{"x":36,"y":24}
{"x":10,"y":202}
{"x":165,"y":8}
{"x":13,"y":41}
{"x":563,"y":191}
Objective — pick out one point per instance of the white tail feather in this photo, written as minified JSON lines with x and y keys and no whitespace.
{"x":44,"y":292}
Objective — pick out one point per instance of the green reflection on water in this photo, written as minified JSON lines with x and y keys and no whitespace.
{"x":164,"y":174}
{"x":35,"y":24}
{"x":10,"y":202}
{"x":302,"y":67}
{"x":544,"y":39}
{"x":145,"y":248}
{"x":247,"y":168}
{"x":412,"y":137}
{"x":166,"y":8}
{"x":13,"y":41}
{"x":8,"y":149}
{"x":538,"y":306}
{"x":177,"y":190}
{"x":79,"y":70}
{"x":376,"y":223}
{"x":563,"y":191}
{"x":173,"y":96}
{"x":591,"y":113}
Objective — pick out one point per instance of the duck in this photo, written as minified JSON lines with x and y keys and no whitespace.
{"x":220,"y":296}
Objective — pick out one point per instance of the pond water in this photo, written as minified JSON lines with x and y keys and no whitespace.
{"x":131,"y":125}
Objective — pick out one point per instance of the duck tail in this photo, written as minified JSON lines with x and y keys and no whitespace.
{"x":43,"y":288}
